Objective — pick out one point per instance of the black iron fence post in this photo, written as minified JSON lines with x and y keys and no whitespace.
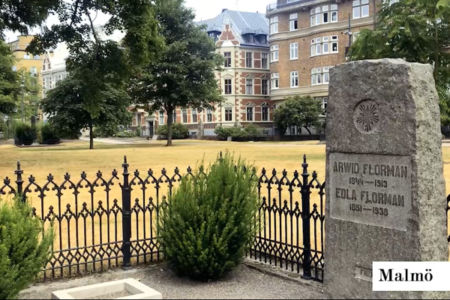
{"x":305,"y":191}
{"x":19,"y":182}
{"x":126,"y":215}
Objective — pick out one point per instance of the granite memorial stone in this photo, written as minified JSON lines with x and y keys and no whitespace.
{"x":385,"y":188}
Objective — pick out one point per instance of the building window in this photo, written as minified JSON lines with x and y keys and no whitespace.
{"x":293,"y":22}
{"x":228,"y":114}
{"x":294,"y":79}
{"x":265,"y":112}
{"x":161,"y":118}
{"x":249,"y":113}
{"x":265,"y":60}
{"x":249,"y":87}
{"x":274,"y":53}
{"x":274,"y":25}
{"x":324,"y":103}
{"x":324,"y":45}
{"x":194,"y":115}
{"x":320,"y":76}
{"x":228,"y":87}
{"x":360,"y":9}
{"x":324,"y":14}
{"x":275,"y":78}
{"x":227,"y":56}
{"x":264,"y":87}
{"x":293,"y":50}
{"x":249,"y":59}
{"x":209,"y":115}
{"x":185,"y":116}
{"x":174,"y":116}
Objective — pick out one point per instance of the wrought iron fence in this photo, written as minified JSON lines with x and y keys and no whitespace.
{"x":107,"y":221}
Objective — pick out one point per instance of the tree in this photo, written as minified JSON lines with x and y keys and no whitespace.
{"x":98,"y":66}
{"x":417,"y":31}
{"x":9,"y":87}
{"x":298,"y":111}
{"x":76,"y":28}
{"x":93,"y":94}
{"x":19,"y":15}
{"x":29,"y":97}
{"x":182,"y":74}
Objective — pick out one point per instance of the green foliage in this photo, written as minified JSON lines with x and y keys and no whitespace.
{"x":247,"y":133}
{"x":29,"y":98}
{"x":209,"y":222}
{"x":93,"y":95}
{"x":24,"y":247}
{"x":48,"y":135}
{"x":179,"y":131}
{"x":298,"y":111}
{"x":24,"y":134}
{"x":96,"y":91}
{"x":182,"y":74}
{"x":417,"y":31}
{"x":125,"y":134}
{"x":9,"y":86}
{"x":106,"y":131}
{"x":19,"y":15}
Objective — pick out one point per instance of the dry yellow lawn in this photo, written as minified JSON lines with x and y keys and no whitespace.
{"x":74,"y":157}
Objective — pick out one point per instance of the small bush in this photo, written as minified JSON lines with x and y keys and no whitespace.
{"x":209,"y":221}
{"x":24,"y":134}
{"x":125,"y":134}
{"x":48,"y":135}
{"x":179,"y":131}
{"x":247,"y":133}
{"x":105,"y":131}
{"x":24,"y":248}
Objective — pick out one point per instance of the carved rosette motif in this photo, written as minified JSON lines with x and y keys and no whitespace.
{"x":366,"y":116}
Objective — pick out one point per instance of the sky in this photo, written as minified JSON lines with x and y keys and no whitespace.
{"x":204,"y":9}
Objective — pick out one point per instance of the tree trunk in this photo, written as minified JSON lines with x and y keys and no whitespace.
{"x":91,"y":136}
{"x":169,"y":126}
{"x":307,"y":129}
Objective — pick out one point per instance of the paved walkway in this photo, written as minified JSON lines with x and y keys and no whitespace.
{"x":243,"y":283}
{"x":118,"y":141}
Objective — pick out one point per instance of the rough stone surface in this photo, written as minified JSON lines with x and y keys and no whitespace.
{"x":384,"y":108}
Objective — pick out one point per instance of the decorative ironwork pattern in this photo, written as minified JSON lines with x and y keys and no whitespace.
{"x":106,"y":221}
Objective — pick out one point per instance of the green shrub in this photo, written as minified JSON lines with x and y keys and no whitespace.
{"x":125,"y":134}
{"x":106,"y":131}
{"x":139,"y":131}
{"x":24,"y":248}
{"x":238,"y":133}
{"x":48,"y":135}
{"x":252,"y":131}
{"x":209,"y":222}
{"x":179,"y":131}
{"x":24,"y":134}
{"x":222,"y":133}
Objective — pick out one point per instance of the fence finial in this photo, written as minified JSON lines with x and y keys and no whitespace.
{"x":124,"y":159}
{"x":221,"y":155}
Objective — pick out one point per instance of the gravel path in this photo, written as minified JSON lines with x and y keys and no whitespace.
{"x":243,"y":283}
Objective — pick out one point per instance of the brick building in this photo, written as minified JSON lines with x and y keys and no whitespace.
{"x":242,"y":38}
{"x":308,"y":37}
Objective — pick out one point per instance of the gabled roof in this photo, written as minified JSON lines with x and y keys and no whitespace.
{"x":241,"y":23}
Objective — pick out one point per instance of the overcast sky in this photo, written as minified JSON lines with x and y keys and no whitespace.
{"x":204,"y":9}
